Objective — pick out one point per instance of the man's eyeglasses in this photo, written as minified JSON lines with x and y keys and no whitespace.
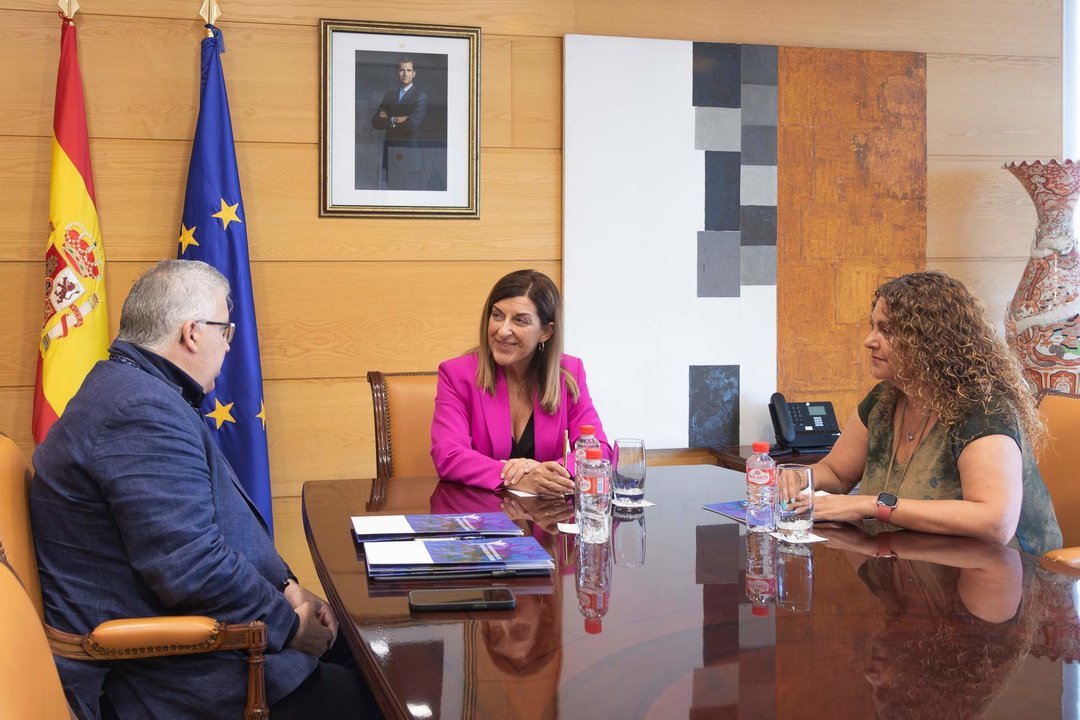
{"x":228,"y":329}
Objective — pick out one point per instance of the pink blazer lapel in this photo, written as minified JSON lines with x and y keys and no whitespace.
{"x":547,"y":430}
{"x":497,"y":418}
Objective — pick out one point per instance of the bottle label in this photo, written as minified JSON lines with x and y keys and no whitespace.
{"x":761,"y":586}
{"x":761,"y":476}
{"x":593,"y":484}
{"x":589,"y":599}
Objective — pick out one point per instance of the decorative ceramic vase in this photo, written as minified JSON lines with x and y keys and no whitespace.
{"x":1041,"y":323}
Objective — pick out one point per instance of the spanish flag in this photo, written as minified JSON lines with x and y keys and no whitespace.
{"x":75,"y":330}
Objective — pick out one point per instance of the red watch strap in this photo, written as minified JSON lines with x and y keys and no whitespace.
{"x":884,"y":545}
{"x":884,"y":512}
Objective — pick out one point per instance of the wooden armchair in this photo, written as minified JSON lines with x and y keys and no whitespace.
{"x":1059,"y":460}
{"x":114,"y":640}
{"x":404,"y":404}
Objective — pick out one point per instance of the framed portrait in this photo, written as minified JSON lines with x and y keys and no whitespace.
{"x":399,"y":120}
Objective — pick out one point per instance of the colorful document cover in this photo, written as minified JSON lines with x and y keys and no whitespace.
{"x":495,"y":557}
{"x":375,"y":528}
{"x":735,"y":509}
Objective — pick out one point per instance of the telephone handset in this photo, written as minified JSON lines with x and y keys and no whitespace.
{"x":804,"y":425}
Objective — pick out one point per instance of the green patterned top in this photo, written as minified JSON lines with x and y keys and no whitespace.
{"x":932,"y":474}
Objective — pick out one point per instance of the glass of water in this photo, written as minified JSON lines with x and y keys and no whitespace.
{"x":794,"y":500}
{"x":629,"y":471}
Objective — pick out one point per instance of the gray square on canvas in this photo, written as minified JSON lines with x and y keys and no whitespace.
{"x":757,"y":224}
{"x":717,"y":128}
{"x":759,"y":105}
{"x":718,"y":264}
{"x":757,"y":185}
{"x":758,"y":265}
{"x":758,"y":65}
{"x":758,"y":145}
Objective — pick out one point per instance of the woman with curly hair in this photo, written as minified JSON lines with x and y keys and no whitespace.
{"x":942,"y":444}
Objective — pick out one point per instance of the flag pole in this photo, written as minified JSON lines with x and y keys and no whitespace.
{"x":209,"y":12}
{"x":68,"y":8}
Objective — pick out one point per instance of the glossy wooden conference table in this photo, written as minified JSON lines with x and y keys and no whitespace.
{"x":949,"y":628}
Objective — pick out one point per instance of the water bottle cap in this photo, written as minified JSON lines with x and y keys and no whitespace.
{"x":588,"y":429}
{"x":594,"y":626}
{"x":593,"y":454}
{"x":761,"y":447}
{"x":760,"y":610}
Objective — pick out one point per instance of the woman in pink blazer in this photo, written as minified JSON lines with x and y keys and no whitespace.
{"x":502,"y":411}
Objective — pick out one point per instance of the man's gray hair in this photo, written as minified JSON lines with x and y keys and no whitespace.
{"x":165,"y":297}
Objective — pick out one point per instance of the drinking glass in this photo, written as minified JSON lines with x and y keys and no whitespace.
{"x":794,"y":501}
{"x":629,"y":471}
{"x":628,"y":532}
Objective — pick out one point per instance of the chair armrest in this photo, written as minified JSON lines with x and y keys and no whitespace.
{"x":157,"y":637}
{"x":1063,"y":560}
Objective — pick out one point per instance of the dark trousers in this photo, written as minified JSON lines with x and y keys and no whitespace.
{"x":336,"y":689}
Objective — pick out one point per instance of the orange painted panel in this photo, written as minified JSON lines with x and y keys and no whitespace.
{"x":851,"y":207}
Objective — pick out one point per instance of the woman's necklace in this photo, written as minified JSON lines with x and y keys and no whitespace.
{"x":910,"y":437}
{"x":910,"y":434}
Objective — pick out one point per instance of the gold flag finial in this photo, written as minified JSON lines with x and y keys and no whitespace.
{"x":209,"y":12}
{"x":69,"y":8}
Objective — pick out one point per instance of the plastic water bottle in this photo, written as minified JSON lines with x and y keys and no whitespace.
{"x":593,"y":580}
{"x":586,"y":439}
{"x":760,"y":489}
{"x":760,"y":572}
{"x":593,"y":493}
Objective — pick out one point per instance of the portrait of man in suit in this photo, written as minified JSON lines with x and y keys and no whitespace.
{"x":402,"y":110}
{"x":401,"y":132}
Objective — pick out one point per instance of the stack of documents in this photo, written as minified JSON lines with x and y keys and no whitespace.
{"x":497,"y":557}
{"x":375,"y":528}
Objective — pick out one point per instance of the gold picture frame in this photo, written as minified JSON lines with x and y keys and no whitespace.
{"x":399,"y":130}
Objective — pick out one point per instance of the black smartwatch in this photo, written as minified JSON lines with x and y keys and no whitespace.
{"x":886,"y":503}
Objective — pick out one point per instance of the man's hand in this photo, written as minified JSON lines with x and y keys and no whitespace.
{"x":298,"y":596}
{"x":312,"y":636}
{"x":383,"y":115}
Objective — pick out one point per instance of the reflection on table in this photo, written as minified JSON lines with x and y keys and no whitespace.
{"x":909,"y":625}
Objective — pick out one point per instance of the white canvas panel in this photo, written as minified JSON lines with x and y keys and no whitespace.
{"x":633,"y":205}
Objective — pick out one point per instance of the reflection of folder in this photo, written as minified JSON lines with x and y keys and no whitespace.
{"x":736,"y":509}
{"x":400,"y":587}
{"x":437,"y":558}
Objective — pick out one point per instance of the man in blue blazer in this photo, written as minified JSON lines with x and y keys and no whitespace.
{"x":402,"y":111}
{"x":136,"y":513}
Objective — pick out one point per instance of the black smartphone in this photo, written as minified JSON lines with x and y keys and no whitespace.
{"x":461,"y":599}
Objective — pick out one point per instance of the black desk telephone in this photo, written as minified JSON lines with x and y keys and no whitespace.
{"x":805,"y":426}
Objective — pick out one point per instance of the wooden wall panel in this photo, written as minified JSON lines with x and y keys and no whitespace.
{"x":978,"y":105}
{"x":537,"y":92}
{"x":1020,"y":27}
{"x":994,"y":280}
{"x":851,"y":207}
{"x":506,"y":17}
{"x":140,"y":187}
{"x":319,"y":430}
{"x":977,"y":209}
{"x":496,"y":108}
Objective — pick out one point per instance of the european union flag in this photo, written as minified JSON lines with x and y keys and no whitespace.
{"x":214,"y":230}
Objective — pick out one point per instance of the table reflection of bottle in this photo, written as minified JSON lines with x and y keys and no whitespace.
{"x":760,"y":571}
{"x":795,"y":573}
{"x":593,"y":580}
{"x":628,"y":531}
